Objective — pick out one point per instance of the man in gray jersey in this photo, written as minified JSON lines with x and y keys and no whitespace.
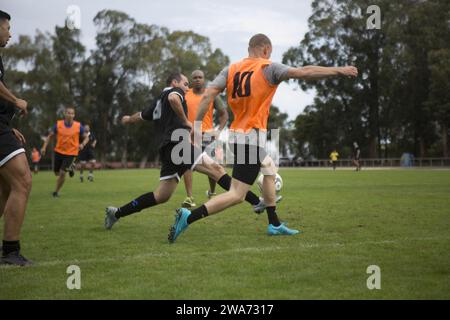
{"x":251,"y":85}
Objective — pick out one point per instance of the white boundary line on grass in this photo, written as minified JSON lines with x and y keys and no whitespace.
{"x":237,"y":250}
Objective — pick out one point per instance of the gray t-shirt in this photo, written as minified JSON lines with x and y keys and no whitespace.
{"x":274,"y":73}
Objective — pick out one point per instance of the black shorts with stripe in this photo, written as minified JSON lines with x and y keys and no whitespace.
{"x":177,"y":158}
{"x":10,"y":146}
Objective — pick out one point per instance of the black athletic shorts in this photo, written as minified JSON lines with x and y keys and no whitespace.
{"x":62,"y":162}
{"x":86,"y":155}
{"x":247,"y":162}
{"x":176,"y":167}
{"x":10,"y":146}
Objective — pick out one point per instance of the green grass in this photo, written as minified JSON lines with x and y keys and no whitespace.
{"x":398,"y":220}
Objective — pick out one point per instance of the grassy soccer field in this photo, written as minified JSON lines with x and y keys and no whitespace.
{"x":398,"y":220}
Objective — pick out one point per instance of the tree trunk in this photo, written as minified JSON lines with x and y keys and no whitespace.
{"x":445,"y":140}
{"x":422,"y":148}
{"x":124,"y":158}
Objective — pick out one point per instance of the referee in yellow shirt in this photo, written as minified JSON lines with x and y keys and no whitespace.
{"x":334,"y":158}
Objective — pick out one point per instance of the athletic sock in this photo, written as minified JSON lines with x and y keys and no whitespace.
{"x":10,"y":246}
{"x":251,"y":198}
{"x":272,"y":215}
{"x":197,"y":214}
{"x":144,"y":201}
{"x":225,"y":183}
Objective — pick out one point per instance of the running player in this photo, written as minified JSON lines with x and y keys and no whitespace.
{"x":356,"y":156}
{"x":251,"y":85}
{"x":86,"y":156}
{"x":177,"y":154}
{"x":334,"y":158}
{"x":15,"y":175}
{"x":68,"y":133}
{"x":193,"y":97}
{"x":35,"y":158}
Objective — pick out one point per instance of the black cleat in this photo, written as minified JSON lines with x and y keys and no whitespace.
{"x":55,"y":194}
{"x":15,"y":259}
{"x":71,"y":169}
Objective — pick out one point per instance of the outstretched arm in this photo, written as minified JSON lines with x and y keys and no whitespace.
{"x":132,"y":119}
{"x":318,"y":73}
{"x":47,"y":140}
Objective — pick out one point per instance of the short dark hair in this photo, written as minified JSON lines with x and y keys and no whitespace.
{"x":173,"y":76}
{"x":259,"y":40}
{"x":4,"y":15}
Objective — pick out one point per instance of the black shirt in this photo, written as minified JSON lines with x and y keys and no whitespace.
{"x":169,"y":120}
{"x":356,"y":152}
{"x":7,"y":109}
{"x":89,"y":146}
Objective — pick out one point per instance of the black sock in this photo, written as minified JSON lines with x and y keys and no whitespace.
{"x":145,"y":201}
{"x":251,"y":198}
{"x":225,"y":182}
{"x":197,"y":214}
{"x":10,"y":246}
{"x":272,"y":215}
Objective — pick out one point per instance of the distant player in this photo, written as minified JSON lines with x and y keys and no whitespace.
{"x":86,"y":156}
{"x":35,"y":158}
{"x":334,"y":158}
{"x":193,"y":97}
{"x":68,"y":133}
{"x":356,"y":156}
{"x":250,"y":85}
{"x":15,"y":175}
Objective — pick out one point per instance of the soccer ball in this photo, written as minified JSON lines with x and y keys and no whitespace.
{"x":278,"y":183}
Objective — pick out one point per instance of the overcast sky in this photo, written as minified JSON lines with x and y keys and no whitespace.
{"x":228,"y":24}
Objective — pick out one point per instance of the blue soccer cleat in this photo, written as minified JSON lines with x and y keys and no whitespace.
{"x":281,"y":230}
{"x":180,"y":224}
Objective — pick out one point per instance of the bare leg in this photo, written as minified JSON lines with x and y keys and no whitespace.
{"x":82,"y":167}
{"x":234,"y":196}
{"x":188,"y":182}
{"x":165,"y":190}
{"x":269,"y":192}
{"x":91,"y":167}
{"x":4,"y":194}
{"x":211,"y":168}
{"x":16,"y":173}
{"x":212,"y":185}
{"x":60,"y":180}
{"x":215,"y":171}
